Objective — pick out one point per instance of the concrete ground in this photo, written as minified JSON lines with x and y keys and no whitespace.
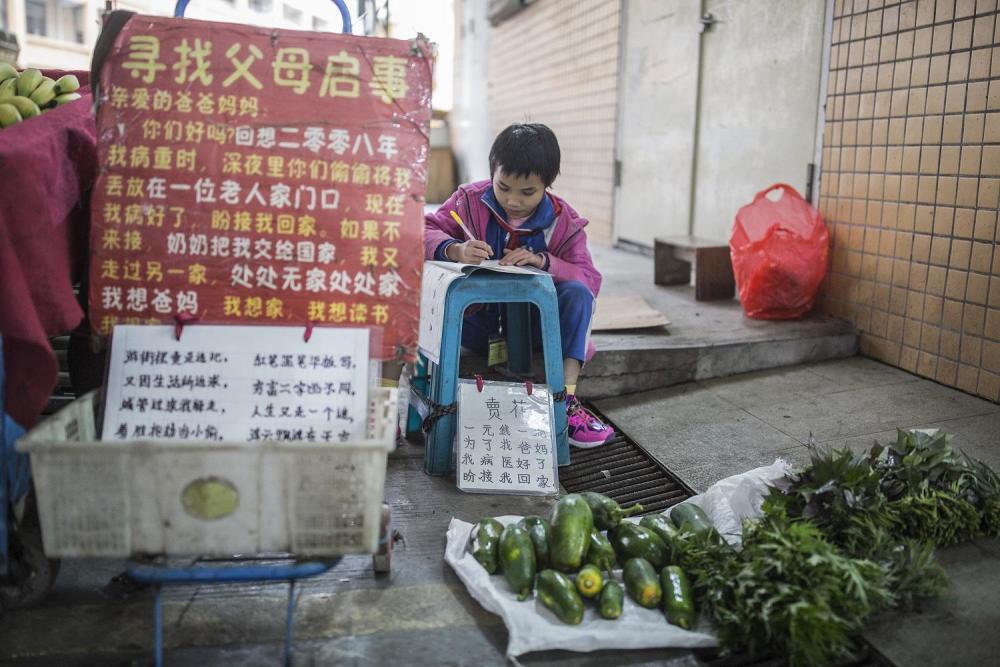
{"x":700,"y":423}
{"x":421,"y":613}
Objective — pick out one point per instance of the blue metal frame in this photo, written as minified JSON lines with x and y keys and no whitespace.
{"x":15,"y":471}
{"x":163,"y":575}
{"x":345,"y":14}
{"x":492,"y":287}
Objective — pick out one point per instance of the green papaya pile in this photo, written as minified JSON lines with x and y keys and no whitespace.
{"x":27,"y":94}
{"x":572,"y":557}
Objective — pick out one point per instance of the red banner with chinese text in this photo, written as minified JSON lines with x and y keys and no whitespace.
{"x":254,"y":175}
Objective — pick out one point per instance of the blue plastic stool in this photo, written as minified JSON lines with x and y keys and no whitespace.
{"x":518,"y":290}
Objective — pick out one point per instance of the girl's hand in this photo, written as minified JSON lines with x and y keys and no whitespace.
{"x":470,"y":252}
{"x":522,"y":257}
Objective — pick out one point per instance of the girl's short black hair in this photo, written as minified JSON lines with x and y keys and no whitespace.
{"x":523,"y":149}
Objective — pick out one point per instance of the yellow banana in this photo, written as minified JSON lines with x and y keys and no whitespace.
{"x":67,"y":84}
{"x":28,"y":81}
{"x":44,"y":93}
{"x":66,"y":98}
{"x":9,"y":115}
{"x":7,"y":71}
{"x":8,"y":88}
{"x":24,"y":106}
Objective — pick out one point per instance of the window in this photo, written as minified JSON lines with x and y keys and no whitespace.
{"x":293,"y":15}
{"x":76,"y":20}
{"x":35,"y":17}
{"x":262,"y":6}
{"x":319,"y":25}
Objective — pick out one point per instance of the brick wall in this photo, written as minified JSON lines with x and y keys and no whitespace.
{"x":910,"y":185}
{"x":556,"y":62}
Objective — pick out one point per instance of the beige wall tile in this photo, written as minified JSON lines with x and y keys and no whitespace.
{"x":980,"y":66}
{"x":981,"y":257}
{"x":908,"y":359}
{"x":951,"y":315}
{"x":960,"y":253}
{"x":936,"y":277}
{"x":991,"y":329}
{"x":986,"y":224}
{"x":912,"y":185}
{"x":989,"y":193}
{"x":968,"y":378}
{"x":989,"y":385}
{"x":964,"y":222}
{"x":949,"y":159}
{"x":977,"y":288}
{"x":982,"y":31}
{"x":951,"y":343}
{"x":940,"y":246}
{"x":973,"y":320}
{"x":972,"y":348}
{"x":955,"y":288}
{"x":927,"y":364}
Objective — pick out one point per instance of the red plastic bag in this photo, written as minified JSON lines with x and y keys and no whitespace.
{"x":780,"y":250}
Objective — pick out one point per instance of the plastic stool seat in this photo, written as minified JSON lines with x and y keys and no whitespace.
{"x":516,"y":289}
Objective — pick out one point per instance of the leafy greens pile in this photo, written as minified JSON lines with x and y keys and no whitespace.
{"x":854,"y":534}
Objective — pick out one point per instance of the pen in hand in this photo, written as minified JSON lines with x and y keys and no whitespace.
{"x":461,"y":224}
{"x":473,"y":251}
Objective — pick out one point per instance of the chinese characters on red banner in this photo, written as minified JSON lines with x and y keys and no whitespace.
{"x":251,"y":175}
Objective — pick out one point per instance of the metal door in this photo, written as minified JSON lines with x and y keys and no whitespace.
{"x":719,"y":99}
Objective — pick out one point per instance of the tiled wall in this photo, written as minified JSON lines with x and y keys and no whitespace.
{"x":556,"y":62}
{"x":910,"y":185}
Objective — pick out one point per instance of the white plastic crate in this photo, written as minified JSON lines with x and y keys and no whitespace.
{"x":108,"y":498}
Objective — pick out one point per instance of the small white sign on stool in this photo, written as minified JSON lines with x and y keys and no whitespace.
{"x":504,"y":440}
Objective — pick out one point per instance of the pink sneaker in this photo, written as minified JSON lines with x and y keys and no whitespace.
{"x":585,"y":430}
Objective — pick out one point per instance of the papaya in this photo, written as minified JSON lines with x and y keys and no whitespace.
{"x":612,"y":598}
{"x":571,"y":523}
{"x":607,"y":512}
{"x":484,"y":543}
{"x":540,"y":533}
{"x":600,"y":552}
{"x":641,"y":582}
{"x":666,"y":531}
{"x":631,"y":540}
{"x":517,"y":559}
{"x":559,"y":596}
{"x":692,"y":518}
{"x":589,"y":581}
{"x":678,"y":605}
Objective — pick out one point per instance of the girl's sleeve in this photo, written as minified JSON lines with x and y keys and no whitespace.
{"x":440,"y":230}
{"x":572,"y":261}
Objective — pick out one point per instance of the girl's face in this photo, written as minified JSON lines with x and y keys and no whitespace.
{"x":519,"y":195}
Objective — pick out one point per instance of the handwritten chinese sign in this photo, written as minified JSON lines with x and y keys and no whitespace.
{"x":237,"y":384}
{"x":252,"y":175}
{"x":504,"y":441}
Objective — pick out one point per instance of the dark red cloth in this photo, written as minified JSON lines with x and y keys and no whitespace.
{"x":47,"y":166}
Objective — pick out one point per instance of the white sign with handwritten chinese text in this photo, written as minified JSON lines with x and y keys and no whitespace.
{"x":504,"y":441}
{"x":237,"y":384}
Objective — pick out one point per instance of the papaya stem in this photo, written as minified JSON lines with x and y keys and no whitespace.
{"x":635,"y":509}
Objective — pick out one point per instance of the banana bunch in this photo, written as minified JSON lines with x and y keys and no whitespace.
{"x":26,"y":94}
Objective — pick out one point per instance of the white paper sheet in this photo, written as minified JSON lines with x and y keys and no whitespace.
{"x":532,"y":627}
{"x":237,"y":383}
{"x":504,"y":441}
{"x":434,"y":288}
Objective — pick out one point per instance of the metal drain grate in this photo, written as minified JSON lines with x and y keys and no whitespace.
{"x":623,"y":471}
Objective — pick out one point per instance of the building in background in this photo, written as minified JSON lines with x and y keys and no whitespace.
{"x":671,"y":116}
{"x":60,"y":34}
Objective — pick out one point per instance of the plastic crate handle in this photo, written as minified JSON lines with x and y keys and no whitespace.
{"x":181,"y":6}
